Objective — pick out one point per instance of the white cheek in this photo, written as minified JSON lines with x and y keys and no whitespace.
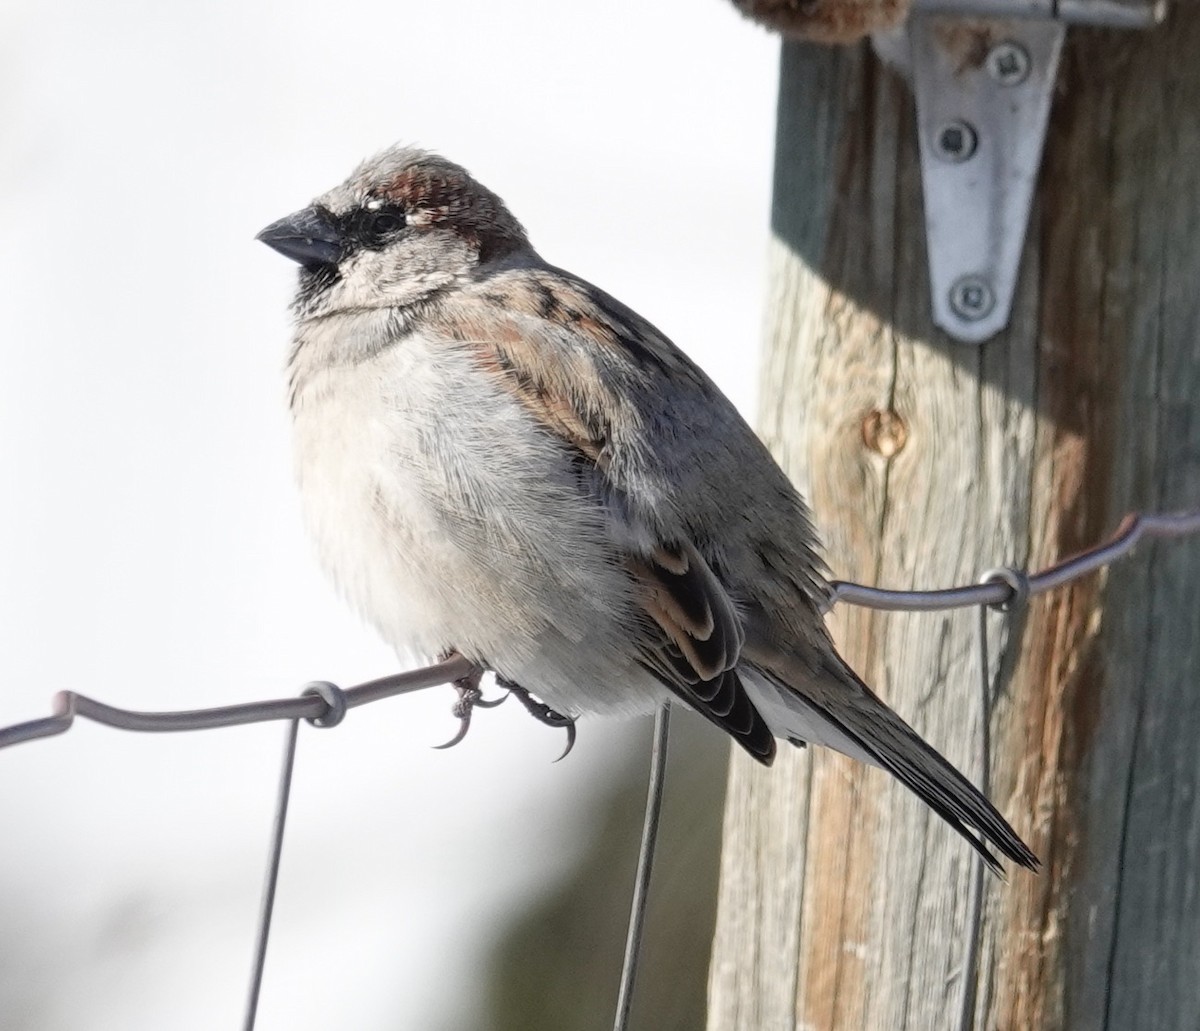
{"x":363,"y":276}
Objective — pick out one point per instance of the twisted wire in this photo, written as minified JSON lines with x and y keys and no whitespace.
{"x":323,"y":704}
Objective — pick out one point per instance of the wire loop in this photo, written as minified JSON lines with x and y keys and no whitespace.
{"x":1018,"y":585}
{"x":335,"y":703}
{"x":1003,"y":588}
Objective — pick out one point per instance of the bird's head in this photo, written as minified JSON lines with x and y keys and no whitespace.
{"x":403,"y":226}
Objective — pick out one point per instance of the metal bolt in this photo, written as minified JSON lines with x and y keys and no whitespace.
{"x":1008,"y":63}
{"x":972,"y":298}
{"x":955,"y":141}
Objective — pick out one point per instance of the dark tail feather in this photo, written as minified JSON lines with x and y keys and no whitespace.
{"x":961,"y":805}
{"x":851,"y":709}
{"x":941,"y":787}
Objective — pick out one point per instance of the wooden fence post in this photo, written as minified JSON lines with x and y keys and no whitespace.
{"x":843,"y":901}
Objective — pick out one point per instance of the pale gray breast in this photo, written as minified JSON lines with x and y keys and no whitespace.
{"x":445,"y":515}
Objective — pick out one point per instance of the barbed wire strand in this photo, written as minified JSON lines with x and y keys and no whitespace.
{"x":324,"y":705}
{"x":267,"y":908}
{"x":641,"y":882}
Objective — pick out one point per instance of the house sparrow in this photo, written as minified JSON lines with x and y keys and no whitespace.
{"x":499,"y":460}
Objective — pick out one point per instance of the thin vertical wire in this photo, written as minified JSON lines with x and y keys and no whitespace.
{"x":268,"y":896}
{"x":641,"y":886}
{"x":966,"y":1014}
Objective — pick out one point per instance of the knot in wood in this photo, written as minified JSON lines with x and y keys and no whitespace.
{"x":885,"y":433}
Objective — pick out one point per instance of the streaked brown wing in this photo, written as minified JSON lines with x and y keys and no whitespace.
{"x":699,"y":640}
{"x":693,"y":634}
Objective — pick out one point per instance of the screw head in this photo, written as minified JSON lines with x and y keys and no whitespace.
{"x":955,"y":141}
{"x":1008,"y":63}
{"x":972,"y":298}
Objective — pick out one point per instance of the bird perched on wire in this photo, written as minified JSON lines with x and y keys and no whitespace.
{"x":499,"y":460}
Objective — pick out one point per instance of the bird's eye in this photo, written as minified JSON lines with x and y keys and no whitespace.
{"x":377,"y":226}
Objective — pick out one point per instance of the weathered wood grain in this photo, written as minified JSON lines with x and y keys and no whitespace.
{"x":844,"y":902}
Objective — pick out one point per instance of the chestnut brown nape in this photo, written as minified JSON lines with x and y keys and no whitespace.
{"x":435,"y":191}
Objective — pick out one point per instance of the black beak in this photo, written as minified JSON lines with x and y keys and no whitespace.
{"x":309,"y":237}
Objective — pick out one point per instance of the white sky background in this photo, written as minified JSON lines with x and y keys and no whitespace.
{"x":151,"y":553}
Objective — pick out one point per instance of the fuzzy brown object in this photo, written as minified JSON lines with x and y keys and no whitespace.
{"x":825,"y":21}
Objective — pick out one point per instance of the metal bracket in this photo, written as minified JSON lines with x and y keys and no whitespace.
{"x":983,"y":99}
{"x":983,"y":73}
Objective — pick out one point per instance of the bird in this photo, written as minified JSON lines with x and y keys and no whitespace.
{"x":498,"y":460}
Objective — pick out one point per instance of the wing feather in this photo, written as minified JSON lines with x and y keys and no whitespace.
{"x":692,"y":633}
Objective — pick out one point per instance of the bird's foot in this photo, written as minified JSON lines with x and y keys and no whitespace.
{"x":541,"y":712}
{"x":470,"y":698}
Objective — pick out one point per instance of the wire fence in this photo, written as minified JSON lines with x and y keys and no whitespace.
{"x":323,"y":704}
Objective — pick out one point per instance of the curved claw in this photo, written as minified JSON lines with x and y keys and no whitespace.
{"x":570,"y":725}
{"x":469,"y":696}
{"x":464,"y":724}
{"x":484,"y":703}
{"x":541,"y":712}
